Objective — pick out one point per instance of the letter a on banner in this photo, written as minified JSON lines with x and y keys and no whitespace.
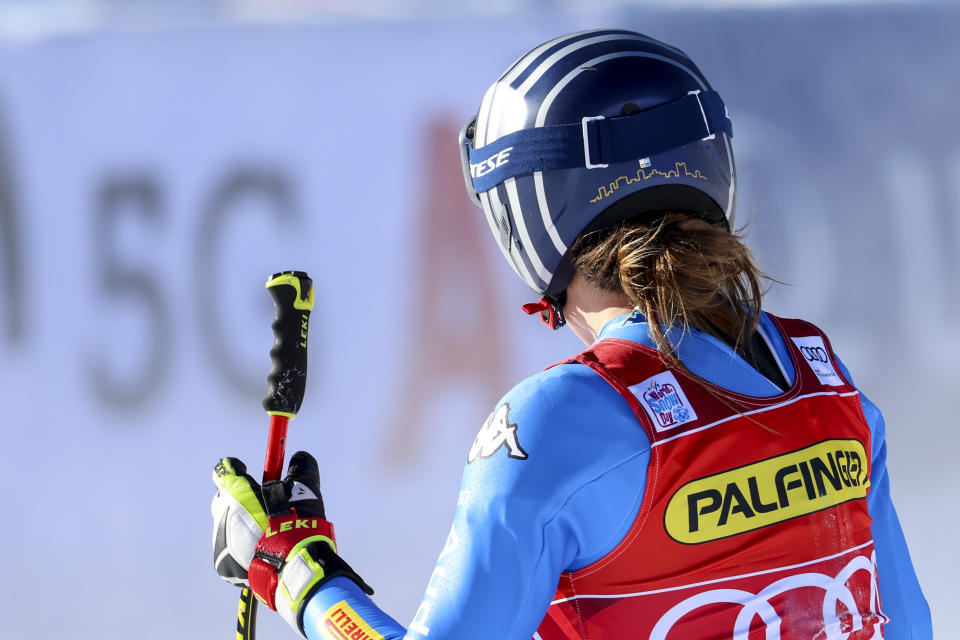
{"x":456,"y":339}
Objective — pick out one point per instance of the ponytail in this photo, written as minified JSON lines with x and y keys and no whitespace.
{"x":677,"y":270}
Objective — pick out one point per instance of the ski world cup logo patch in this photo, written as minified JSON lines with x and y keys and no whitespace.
{"x":815,"y":354}
{"x":664,"y":401}
{"x":497,"y":432}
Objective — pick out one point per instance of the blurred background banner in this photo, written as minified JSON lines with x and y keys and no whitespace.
{"x":151,"y":179}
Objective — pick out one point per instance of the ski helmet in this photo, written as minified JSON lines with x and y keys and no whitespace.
{"x":585,"y":131}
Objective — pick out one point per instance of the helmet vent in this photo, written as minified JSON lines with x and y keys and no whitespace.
{"x":504,"y":221}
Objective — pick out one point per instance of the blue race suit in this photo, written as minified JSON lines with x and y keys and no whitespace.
{"x":561,"y":488}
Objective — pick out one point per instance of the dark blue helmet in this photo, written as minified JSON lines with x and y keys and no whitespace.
{"x":587,"y":130}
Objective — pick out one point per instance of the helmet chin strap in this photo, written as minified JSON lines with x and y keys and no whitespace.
{"x":550,"y":309}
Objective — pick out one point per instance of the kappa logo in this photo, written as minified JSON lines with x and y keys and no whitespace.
{"x":815,"y":353}
{"x":663,"y":399}
{"x":845,"y":610}
{"x":495,"y":433}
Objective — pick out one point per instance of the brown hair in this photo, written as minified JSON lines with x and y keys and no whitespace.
{"x":677,"y":269}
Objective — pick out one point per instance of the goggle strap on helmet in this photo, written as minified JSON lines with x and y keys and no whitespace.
{"x":550,"y":309}
{"x":596,"y":141}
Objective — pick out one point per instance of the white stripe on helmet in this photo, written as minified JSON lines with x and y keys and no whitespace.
{"x":548,"y":222}
{"x":495,"y":228}
{"x":516,"y":261}
{"x":728,"y":210}
{"x":484,"y":119}
{"x":531,"y":251}
{"x":480,"y":129}
{"x":549,"y":63}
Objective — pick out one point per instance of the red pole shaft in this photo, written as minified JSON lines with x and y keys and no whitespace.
{"x":276,"y":446}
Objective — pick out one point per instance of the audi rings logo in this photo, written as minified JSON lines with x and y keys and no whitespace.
{"x":815,"y":354}
{"x":838,"y":595}
{"x":814,"y":351}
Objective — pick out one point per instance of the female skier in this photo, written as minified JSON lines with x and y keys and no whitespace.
{"x":702,"y":470}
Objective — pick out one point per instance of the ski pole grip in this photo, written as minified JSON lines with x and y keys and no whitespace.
{"x":293,"y":296}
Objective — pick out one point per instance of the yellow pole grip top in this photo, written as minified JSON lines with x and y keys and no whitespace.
{"x":300,"y":302}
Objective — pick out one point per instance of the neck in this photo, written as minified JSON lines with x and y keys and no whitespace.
{"x":588,"y":308}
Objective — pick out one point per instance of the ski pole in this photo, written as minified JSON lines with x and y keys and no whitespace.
{"x":293,"y":296}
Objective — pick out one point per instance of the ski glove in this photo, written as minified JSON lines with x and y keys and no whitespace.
{"x":275,"y":538}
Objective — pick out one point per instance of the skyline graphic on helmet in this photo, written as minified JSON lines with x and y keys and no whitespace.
{"x":608,"y":190}
{"x":577,"y":114}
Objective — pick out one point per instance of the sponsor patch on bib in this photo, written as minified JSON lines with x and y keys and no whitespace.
{"x":663,"y":399}
{"x":815,"y":354}
{"x":768,"y":491}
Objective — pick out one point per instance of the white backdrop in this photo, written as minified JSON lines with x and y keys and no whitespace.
{"x":150,"y":183}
